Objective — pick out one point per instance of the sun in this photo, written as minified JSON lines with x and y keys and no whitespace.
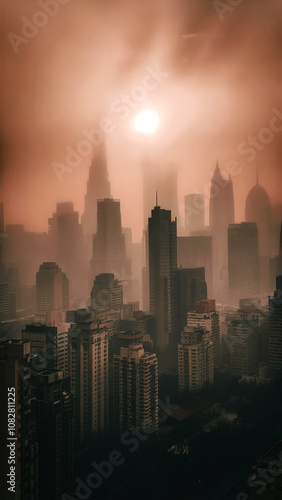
{"x":146,"y":121}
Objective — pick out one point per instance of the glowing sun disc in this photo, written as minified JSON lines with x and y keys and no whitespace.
{"x":146,"y":121}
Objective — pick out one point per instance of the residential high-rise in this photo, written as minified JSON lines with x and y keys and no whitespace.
{"x":162,"y":273}
{"x":243,"y":344}
{"x":275,"y":329}
{"x":50,"y":346}
{"x":243,"y":261}
{"x":136,"y":389}
{"x":109,"y":252}
{"x":204,"y":316}
{"x":69,"y":247}
{"x":194,"y":212}
{"x":196,"y":251}
{"x":221,"y":215}
{"x":52,"y":292}
{"x":54,"y":406}
{"x":88,"y":361}
{"x":191,"y":286}
{"x":107,"y":293}
{"x":98,"y":187}
{"x":195,"y":359}
{"x":15,"y":366}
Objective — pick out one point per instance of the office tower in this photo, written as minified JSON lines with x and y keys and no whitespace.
{"x":275,"y":329}
{"x":69,"y":247}
{"x":163,"y":181}
{"x":106,"y":294}
{"x":204,"y":316}
{"x":140,"y":322}
{"x":4,"y":302}
{"x":243,"y":261}
{"x":52,"y":292}
{"x":243,"y":344}
{"x":194,"y":212}
{"x":98,"y":187}
{"x":15,"y":364}
{"x":136,"y":389}
{"x":221,"y":215}
{"x":88,"y":361}
{"x":2,"y":235}
{"x":275,"y":264}
{"x":54,"y":406}
{"x":109,"y":253}
{"x":258,"y":209}
{"x":191,"y":287}
{"x":50,"y":345}
{"x":196,"y":251}
{"x":195,"y":359}
{"x":162,"y":272}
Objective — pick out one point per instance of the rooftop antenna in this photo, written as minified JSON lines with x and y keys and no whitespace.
{"x":156,"y":198}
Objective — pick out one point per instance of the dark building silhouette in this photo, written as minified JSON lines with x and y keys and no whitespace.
{"x":258,"y":209}
{"x":54,"y":407}
{"x":243,"y":261}
{"x":221,"y":215}
{"x":191,"y":287}
{"x":194,"y":212}
{"x":109,"y":251}
{"x":275,"y":264}
{"x":162,"y":272}
{"x":15,"y":367}
{"x":275,"y":329}
{"x":52,"y":293}
{"x":107,"y":293}
{"x":98,"y":187}
{"x":196,"y":251}
{"x":66,"y":236}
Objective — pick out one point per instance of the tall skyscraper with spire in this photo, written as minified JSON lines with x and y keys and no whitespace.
{"x":221,"y":215}
{"x":98,"y":187}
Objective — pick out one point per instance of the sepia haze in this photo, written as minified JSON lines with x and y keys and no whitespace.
{"x":222,"y":84}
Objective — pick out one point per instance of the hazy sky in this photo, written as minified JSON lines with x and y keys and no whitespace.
{"x":220,"y":82}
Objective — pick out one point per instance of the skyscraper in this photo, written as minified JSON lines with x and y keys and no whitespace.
{"x":243,"y":261}
{"x":15,"y":366}
{"x":88,"y":360}
{"x":98,"y":187}
{"x":243,"y":342}
{"x":106,"y":294}
{"x":196,"y":251}
{"x":52,"y":292}
{"x":109,"y":252}
{"x":275,"y":329}
{"x":221,"y":215}
{"x":162,"y":272}
{"x":54,"y":407}
{"x":194,"y":212}
{"x":136,"y":389}
{"x":195,"y":359}
{"x":275,"y":264}
{"x":69,"y":247}
{"x":204,"y":316}
{"x":191,"y":286}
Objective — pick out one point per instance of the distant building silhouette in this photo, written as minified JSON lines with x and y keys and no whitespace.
{"x":52,"y":293}
{"x":98,"y":187}
{"x":196,"y":251}
{"x":136,"y":389}
{"x":69,"y":247}
{"x":162,"y":272}
{"x":275,"y":265}
{"x":243,"y":343}
{"x":194,"y":212}
{"x":109,"y":251}
{"x":221,"y":215}
{"x":243,"y":261}
{"x":191,"y":287}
